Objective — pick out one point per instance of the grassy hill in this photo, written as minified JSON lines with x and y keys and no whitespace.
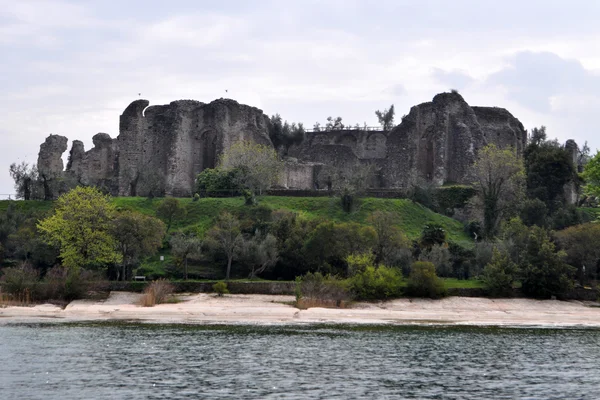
{"x":201,"y":213}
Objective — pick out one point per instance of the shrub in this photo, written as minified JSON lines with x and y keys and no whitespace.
{"x":376,"y":283}
{"x":433,"y":234}
{"x":21,"y":281}
{"x":156,"y":293}
{"x":423,"y":282}
{"x":220,"y":288}
{"x":316,"y":290}
{"x":499,"y":274}
{"x":61,"y":283}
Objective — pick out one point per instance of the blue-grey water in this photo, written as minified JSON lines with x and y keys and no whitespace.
{"x":121,"y":361}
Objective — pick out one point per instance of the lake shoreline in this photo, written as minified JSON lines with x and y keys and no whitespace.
{"x":202,"y":308}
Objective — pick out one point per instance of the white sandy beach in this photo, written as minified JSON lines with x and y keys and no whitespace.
{"x":267,"y":309}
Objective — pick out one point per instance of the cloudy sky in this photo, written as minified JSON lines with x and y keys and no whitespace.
{"x":71,"y":67}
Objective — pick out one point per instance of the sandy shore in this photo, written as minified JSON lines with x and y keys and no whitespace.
{"x":263,"y":309}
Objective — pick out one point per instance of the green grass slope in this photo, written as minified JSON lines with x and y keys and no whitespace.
{"x":413,"y":217}
{"x":201,"y":214}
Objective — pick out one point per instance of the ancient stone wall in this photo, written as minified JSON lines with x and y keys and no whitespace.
{"x":160,"y":149}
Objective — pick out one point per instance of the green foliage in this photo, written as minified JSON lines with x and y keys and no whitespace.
{"x":543,"y":271}
{"x":258,"y":166}
{"x":423,"y":282}
{"x":566,"y":216}
{"x":433,"y":234}
{"x":218,"y":183}
{"x":20,"y":281}
{"x":329,"y":244}
{"x":358,"y":263}
{"x":591,"y":175}
{"x":226,"y":236}
{"x":534,"y":212}
{"x":499,"y":275}
{"x":376,"y":283}
{"x":28,"y":184}
{"x":136,"y":235}
{"x":170,"y":209}
{"x":318,"y":289}
{"x":449,"y":198}
{"x":185,"y":246}
{"x":283,"y":135}
{"x":549,"y":167}
{"x":499,"y":177}
{"x":582,"y":246}
{"x":220,"y":288}
{"x":80,"y":227}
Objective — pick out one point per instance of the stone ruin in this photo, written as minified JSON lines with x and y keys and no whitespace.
{"x":161,"y":149}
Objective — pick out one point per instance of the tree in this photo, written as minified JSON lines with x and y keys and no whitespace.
{"x":184,"y":246}
{"x":549,"y":167}
{"x":226,"y":235}
{"x":433,"y":234}
{"x":27,"y":181}
{"x":283,"y":135}
{"x":582,"y":245}
{"x":334,"y":124}
{"x":259,"y":166}
{"x":423,"y":282}
{"x":499,"y":181}
{"x":136,"y":236}
{"x":591,"y":175}
{"x":260,"y":252}
{"x":389,"y":238}
{"x":331,"y":243}
{"x":169,"y":210}
{"x":499,"y":274}
{"x":386,"y":118}
{"x":81,"y":228}
{"x":542,"y":269}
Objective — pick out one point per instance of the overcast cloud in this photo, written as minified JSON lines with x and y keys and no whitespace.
{"x":71,"y":67}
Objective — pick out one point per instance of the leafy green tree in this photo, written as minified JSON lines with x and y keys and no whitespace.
{"x":259,"y":166}
{"x":283,"y":135}
{"x":534,"y":212}
{"x":215,"y":182}
{"x":549,"y":167}
{"x":386,"y":118}
{"x":423,"y":282}
{"x":226,"y":235}
{"x":260,"y":252}
{"x":543,"y":270}
{"x":330,"y":243}
{"x":499,"y":274}
{"x":499,"y":177}
{"x":591,"y":175}
{"x":389,"y":238}
{"x":291,"y":231}
{"x":136,"y":236}
{"x":170,"y":210}
{"x":582,"y":245}
{"x":184,"y":246}
{"x":433,"y":234}
{"x":81,"y":228}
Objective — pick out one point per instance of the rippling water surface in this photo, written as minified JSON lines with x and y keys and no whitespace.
{"x":116,"y":361}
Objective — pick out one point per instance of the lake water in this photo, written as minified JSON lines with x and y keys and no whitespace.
{"x":121,"y":361}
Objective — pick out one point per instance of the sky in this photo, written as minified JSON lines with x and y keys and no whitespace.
{"x":71,"y":67}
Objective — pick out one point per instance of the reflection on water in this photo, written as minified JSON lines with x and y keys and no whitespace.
{"x":116,"y":361}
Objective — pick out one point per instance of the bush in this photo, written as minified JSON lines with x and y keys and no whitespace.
{"x":220,"y":288}
{"x":156,"y":293}
{"x":21,"y":281}
{"x":316,"y":290}
{"x":61,"y":283}
{"x":499,"y":274}
{"x":423,"y":282}
{"x":376,"y":283}
{"x":218,"y":183}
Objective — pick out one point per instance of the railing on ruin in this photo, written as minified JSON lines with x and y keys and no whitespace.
{"x":346,"y":128}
